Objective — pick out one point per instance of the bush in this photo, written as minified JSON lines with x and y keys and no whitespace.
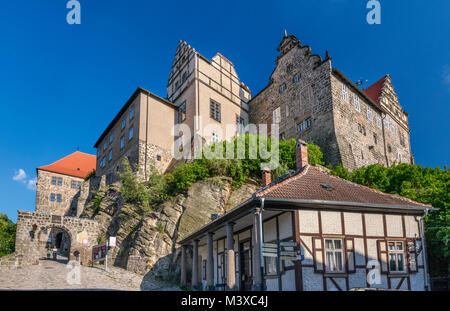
{"x":7,"y":235}
{"x":90,"y":175}
{"x":133,"y":190}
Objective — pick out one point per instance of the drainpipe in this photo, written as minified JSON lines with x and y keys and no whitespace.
{"x":263,"y":281}
{"x":424,"y":249}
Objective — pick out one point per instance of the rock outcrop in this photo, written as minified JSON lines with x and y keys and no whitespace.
{"x":147,"y":242}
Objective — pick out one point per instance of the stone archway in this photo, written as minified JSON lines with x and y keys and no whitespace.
{"x":33,"y":230}
{"x":54,"y":235}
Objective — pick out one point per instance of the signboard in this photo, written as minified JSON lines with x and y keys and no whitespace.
{"x":99,"y":252}
{"x":288,"y":257}
{"x":287,"y":253}
{"x":289,"y":243}
{"x":112,"y":241}
{"x":270,"y":245}
{"x":270,"y":254}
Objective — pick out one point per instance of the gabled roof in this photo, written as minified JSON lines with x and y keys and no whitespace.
{"x":310,"y":183}
{"x":77,"y":164}
{"x":374,"y":91}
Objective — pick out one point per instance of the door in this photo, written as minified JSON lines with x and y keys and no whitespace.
{"x":245,"y":265}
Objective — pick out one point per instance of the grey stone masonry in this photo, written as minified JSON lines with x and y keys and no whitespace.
{"x":33,"y":230}
{"x":312,"y":101}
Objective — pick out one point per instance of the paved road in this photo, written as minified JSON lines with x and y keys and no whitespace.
{"x":57,"y":275}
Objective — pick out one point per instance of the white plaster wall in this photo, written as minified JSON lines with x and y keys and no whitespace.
{"x":360,"y":256}
{"x":394,"y":226}
{"x":272,"y":284}
{"x":288,"y":281}
{"x":417,"y":280}
{"x":308,"y":221}
{"x":357,"y":279}
{"x":353,"y":223}
{"x":311,"y":281}
{"x":331,"y":222}
{"x":285,"y":225}
{"x":270,"y":230}
{"x":339,"y":281}
{"x":412,"y":227}
{"x":374,"y":225}
{"x":308,"y":256}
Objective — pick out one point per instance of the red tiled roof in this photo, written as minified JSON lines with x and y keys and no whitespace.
{"x":307,"y":185}
{"x":77,"y":164}
{"x":374,"y":91}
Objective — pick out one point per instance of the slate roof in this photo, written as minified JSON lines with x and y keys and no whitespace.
{"x":77,"y":164}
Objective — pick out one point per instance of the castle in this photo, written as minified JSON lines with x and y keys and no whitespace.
{"x":305,"y":96}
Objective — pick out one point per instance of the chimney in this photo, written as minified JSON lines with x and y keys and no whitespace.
{"x":301,"y":154}
{"x":266,"y":177}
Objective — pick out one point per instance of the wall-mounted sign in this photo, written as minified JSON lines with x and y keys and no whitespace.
{"x":112,"y":241}
{"x":99,"y":252}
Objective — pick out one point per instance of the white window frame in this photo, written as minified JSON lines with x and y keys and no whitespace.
{"x":300,"y":127}
{"x":356,"y":101}
{"x":393,"y":127}
{"x":379,"y":123}
{"x":369,"y":113}
{"x":345,"y":92}
{"x":282,"y":88}
{"x":396,"y":253}
{"x":331,"y":267}
{"x":276,"y":116}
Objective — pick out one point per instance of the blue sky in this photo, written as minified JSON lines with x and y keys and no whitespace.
{"x":60,"y":84}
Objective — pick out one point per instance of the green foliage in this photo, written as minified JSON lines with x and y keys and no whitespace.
{"x":160,"y":226}
{"x":97,"y":201}
{"x":101,"y":239}
{"x":425,"y":185}
{"x":133,"y":190}
{"x":7,"y":235}
{"x":90,"y":175}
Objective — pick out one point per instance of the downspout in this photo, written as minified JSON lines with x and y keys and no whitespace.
{"x":146,"y":141}
{"x":384,"y":139}
{"x":424,"y":249}
{"x":263,"y":285}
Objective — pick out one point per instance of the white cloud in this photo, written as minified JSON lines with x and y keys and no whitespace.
{"x":19,"y":175}
{"x":31,"y":184}
{"x":446,"y":75}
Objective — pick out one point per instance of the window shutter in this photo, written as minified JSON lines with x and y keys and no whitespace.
{"x":383,"y":256}
{"x":412,"y":255}
{"x":318,"y":254}
{"x":350,"y":254}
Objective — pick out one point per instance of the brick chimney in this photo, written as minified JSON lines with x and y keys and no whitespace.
{"x":266,"y":177}
{"x":301,"y":154}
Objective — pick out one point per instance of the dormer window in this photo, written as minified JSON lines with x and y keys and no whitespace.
{"x":289,"y":68}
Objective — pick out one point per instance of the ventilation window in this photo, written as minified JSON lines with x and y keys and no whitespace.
{"x":326,"y":186}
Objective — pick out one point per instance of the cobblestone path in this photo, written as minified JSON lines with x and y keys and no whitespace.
{"x":57,"y":275}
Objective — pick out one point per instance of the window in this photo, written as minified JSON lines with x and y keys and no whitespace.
{"x":76,"y":184}
{"x":282,"y":88}
{"x":375,"y":139}
{"x":103,"y":162}
{"x":356,"y":101}
{"x":240,"y":124}
{"x":177,"y":85}
{"x":98,"y":152}
{"x":131,"y":133}
{"x":185,"y":76}
{"x":396,"y":256}
{"x":300,"y":127}
{"x":378,"y":120}
{"x":399,"y":157}
{"x":105,"y":145}
{"x":392,"y":127}
{"x":282,"y":136}
{"x":389,"y":148}
{"x":132,"y":112}
{"x":124,"y":123}
{"x":289,"y":68}
{"x":296,"y":78}
{"x":59,"y":181}
{"x":204,"y":269}
{"x":361,"y":129}
{"x":53,"y":197}
{"x":276,"y":115}
{"x":402,"y":138}
{"x":58,"y":198}
{"x":308,"y":123}
{"x":214,"y":110}
{"x":287,"y":110}
{"x":270,"y":265}
{"x":386,"y":122}
{"x":110,"y":155}
{"x":54,"y":181}
{"x":182,"y":112}
{"x":334,"y":255}
{"x":111,"y":138}
{"x":158,"y":158}
{"x":345,"y":92}
{"x":369,"y":113}
{"x":122,"y":142}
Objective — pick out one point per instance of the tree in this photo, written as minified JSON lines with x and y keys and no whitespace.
{"x":7,"y":235}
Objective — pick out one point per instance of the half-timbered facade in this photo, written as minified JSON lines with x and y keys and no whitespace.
{"x":343,"y":236}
